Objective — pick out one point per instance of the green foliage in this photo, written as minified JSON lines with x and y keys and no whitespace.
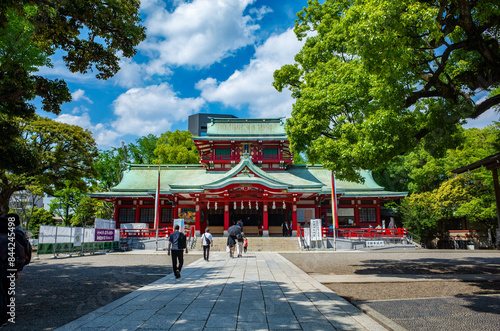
{"x":40,"y":217}
{"x":176,"y":148}
{"x":91,"y":34}
{"x":65,"y":202}
{"x":52,"y":153}
{"x":84,"y":211}
{"x":142,"y":152}
{"x":109,"y":166}
{"x":374,"y":79}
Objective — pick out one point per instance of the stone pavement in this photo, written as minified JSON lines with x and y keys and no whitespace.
{"x":260,"y":291}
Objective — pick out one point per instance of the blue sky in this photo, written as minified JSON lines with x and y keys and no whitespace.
{"x":210,"y":56}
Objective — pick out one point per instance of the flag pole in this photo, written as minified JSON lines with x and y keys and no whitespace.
{"x":334,"y":212}
{"x":157,"y":203}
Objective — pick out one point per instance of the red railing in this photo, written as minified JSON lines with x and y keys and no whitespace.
{"x":359,"y":233}
{"x":151,"y":233}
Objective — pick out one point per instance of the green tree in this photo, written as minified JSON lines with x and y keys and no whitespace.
{"x":142,"y":152}
{"x":85,"y":211}
{"x":40,"y":217}
{"x":54,"y":153}
{"x":65,"y":202}
{"x":91,"y":35}
{"x":176,"y":148}
{"x":376,"y":77}
{"x":109,"y":165}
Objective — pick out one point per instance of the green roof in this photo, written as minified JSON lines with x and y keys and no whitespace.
{"x":246,"y":128}
{"x":140,"y":180}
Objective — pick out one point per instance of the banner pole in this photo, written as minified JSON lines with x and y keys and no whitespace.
{"x":157,"y":203}
{"x":334,"y":213}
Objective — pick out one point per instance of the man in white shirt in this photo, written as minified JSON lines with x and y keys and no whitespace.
{"x":207,"y":241}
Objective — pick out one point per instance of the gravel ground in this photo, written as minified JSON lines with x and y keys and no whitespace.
{"x":53,"y":292}
{"x":403,"y":262}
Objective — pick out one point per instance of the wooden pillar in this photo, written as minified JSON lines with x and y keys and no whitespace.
{"x":497,"y":198}
{"x":265,"y":220}
{"x":115,"y":214}
{"x":197,"y":219}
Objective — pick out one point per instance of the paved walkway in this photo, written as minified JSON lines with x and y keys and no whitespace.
{"x":260,"y":291}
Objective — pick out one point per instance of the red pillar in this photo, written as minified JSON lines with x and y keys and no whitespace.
{"x":116,"y":213}
{"x":294,"y":219}
{"x":226,"y":216}
{"x":265,"y":220}
{"x":137,"y":213}
{"x":379,"y":220}
{"x":197,"y":219}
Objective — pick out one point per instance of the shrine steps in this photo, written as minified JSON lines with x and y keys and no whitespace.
{"x":256,"y":244}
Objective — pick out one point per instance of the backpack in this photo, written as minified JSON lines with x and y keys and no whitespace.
{"x":23,"y":241}
{"x":18,"y":255}
{"x":206,"y":240}
{"x":181,"y":242}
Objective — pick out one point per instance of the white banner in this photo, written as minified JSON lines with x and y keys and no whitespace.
{"x":47,"y":234}
{"x":307,"y":236}
{"x":117,"y":234}
{"x":77,"y":236}
{"x":316,"y":229}
{"x":101,"y":223}
{"x":89,"y":235}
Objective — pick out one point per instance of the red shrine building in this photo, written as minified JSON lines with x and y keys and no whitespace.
{"x":246,"y":172}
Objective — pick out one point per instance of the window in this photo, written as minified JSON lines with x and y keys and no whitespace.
{"x":127,"y":202}
{"x":147,"y":215}
{"x":368,"y":215}
{"x":166,"y":215}
{"x":126,"y":215}
{"x":345,"y":202}
{"x":223,"y":153}
{"x":346,"y":216}
{"x":148,"y":202}
{"x":367,"y":202}
{"x":270,"y":153}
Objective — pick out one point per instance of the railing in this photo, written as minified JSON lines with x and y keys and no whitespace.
{"x":365,"y":233}
{"x":151,"y":233}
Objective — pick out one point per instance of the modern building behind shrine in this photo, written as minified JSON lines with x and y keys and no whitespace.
{"x":246,"y":172}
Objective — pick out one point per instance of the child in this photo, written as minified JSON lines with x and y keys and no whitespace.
{"x":245,"y":244}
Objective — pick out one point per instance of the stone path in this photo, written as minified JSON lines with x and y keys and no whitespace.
{"x":260,"y":291}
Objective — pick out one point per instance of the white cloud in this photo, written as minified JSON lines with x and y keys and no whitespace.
{"x":80,"y":95}
{"x":133,"y":74}
{"x":152,"y":109}
{"x":252,"y":86}
{"x":102,"y":135}
{"x":199,"y":32}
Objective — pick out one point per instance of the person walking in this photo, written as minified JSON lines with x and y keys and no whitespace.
{"x":239,"y":243}
{"x":284,"y":228}
{"x":233,"y":233}
{"x":176,"y":246}
{"x":207,"y":242}
{"x":245,"y":244}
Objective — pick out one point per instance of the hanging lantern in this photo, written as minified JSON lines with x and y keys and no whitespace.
{"x":274,"y":204}
{"x":284,"y":205}
{"x":242,"y":205}
{"x":216,"y":206}
{"x":256,"y":206}
{"x":208,"y":205}
{"x":249,"y":205}
{"x":234,"y":206}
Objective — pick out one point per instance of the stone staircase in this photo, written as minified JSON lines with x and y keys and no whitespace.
{"x":256,"y":244}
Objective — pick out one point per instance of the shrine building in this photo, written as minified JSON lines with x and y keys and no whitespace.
{"x":246,"y":172}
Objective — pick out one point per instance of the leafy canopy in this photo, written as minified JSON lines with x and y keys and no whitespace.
{"x":177,"y":148}
{"x":376,"y":77}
